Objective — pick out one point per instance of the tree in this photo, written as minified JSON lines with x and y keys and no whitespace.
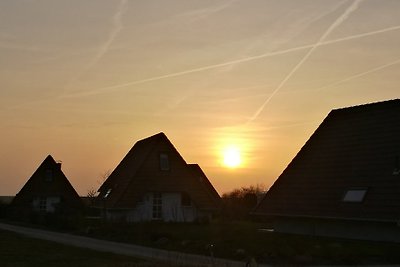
{"x":238,"y":203}
{"x":92,"y":193}
{"x":104,"y":176}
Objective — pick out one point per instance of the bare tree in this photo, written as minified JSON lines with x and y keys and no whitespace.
{"x":241,"y":201}
{"x":103,"y":176}
{"x":92,"y":193}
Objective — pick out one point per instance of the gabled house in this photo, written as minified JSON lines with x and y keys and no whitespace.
{"x":345,"y":181}
{"x":47,"y":191}
{"x":153,"y":182}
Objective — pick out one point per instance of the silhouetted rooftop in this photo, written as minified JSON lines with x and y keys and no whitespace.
{"x":349,"y":168}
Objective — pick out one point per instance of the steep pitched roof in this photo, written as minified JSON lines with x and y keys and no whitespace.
{"x":38,"y":186}
{"x":355,"y":148}
{"x":211,"y":197}
{"x":139,"y":173}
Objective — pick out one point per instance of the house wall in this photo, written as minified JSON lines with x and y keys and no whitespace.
{"x":47,"y":190}
{"x":361,"y":230}
{"x":45,"y":204}
{"x":171,"y":210}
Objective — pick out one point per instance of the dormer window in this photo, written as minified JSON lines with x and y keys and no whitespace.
{"x":355,"y":195}
{"x":164,"y":162}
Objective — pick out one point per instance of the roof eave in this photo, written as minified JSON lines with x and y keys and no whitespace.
{"x":325,"y":217}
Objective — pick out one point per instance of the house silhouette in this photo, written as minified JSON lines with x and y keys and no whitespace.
{"x":154,"y":182}
{"x":47,"y":191}
{"x":345,"y":181}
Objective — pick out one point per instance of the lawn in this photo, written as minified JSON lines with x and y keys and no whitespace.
{"x":20,"y":251}
{"x":232,"y":240}
{"x":241,"y":240}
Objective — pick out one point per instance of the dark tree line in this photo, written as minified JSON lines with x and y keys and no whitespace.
{"x":240,"y":202}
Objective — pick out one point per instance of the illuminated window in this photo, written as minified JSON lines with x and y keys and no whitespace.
{"x":157,"y":206}
{"x":354,"y":195}
{"x":164,"y":162}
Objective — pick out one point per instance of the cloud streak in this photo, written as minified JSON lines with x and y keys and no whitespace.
{"x":358,"y":75}
{"x":206,"y":12}
{"x":238,"y":61}
{"x":117,"y":26}
{"x":353,"y":7}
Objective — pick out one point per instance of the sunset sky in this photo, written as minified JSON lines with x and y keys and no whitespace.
{"x":84,"y":80}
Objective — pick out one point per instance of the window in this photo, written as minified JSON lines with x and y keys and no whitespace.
{"x":107,"y":193}
{"x":157,"y":206}
{"x":164,"y":162}
{"x":355,"y":195}
{"x":185,"y":200}
{"x":43,"y":204}
{"x":48,"y":176}
{"x":52,"y":203}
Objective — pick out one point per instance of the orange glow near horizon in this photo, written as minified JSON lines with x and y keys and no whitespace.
{"x":237,"y":95}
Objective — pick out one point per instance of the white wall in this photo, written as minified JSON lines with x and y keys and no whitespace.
{"x":172,"y":210}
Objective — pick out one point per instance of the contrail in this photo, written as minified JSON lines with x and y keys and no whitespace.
{"x":301,"y":26}
{"x":116,"y":28}
{"x":360,"y":74}
{"x":242,"y":60}
{"x":353,"y":7}
{"x":206,"y":12}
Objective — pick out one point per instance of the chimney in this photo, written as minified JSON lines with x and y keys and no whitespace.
{"x":59,"y":162}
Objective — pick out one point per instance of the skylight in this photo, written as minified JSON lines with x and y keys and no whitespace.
{"x":108,"y":193}
{"x":354,"y":195}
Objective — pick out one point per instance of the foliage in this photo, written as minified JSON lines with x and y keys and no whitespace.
{"x":238,"y":203}
{"x":91,"y":193}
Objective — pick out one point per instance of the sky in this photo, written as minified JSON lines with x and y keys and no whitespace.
{"x":84,"y":80}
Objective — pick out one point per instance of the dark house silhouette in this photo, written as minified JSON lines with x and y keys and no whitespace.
{"x":345,"y":181}
{"x":47,"y":191}
{"x":153,"y":182}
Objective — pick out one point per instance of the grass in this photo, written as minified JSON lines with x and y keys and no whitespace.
{"x":241,"y":240}
{"x":232,"y":240}
{"x":20,"y":251}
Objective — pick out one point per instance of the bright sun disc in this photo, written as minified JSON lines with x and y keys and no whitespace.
{"x":232,"y":157}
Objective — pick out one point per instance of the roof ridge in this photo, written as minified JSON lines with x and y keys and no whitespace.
{"x":370,"y":104}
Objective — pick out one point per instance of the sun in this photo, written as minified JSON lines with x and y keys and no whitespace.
{"x":231,"y":156}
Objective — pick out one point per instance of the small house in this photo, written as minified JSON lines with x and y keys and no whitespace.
{"x":154,"y":183}
{"x":47,"y":191}
{"x":345,"y":181}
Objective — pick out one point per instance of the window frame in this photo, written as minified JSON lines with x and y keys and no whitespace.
{"x":157,"y":206}
{"x":164,"y":162}
{"x":355,"y":195}
{"x":42,"y":206}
